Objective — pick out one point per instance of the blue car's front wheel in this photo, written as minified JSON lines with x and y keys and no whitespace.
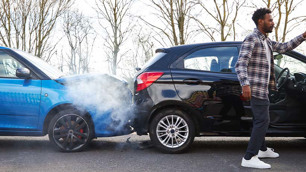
{"x":70,"y":131}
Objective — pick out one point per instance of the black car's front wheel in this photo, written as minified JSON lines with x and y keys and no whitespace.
{"x":172,"y":131}
{"x":69,"y":131}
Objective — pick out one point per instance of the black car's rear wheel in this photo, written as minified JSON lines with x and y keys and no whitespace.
{"x":69,"y":131}
{"x":172,"y":131}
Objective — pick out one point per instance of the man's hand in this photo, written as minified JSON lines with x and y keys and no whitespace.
{"x":246,"y":92}
{"x":304,"y":35}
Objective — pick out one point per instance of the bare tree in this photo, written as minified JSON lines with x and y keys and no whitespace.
{"x":225,"y":14}
{"x":113,"y":16}
{"x":80,"y":37}
{"x":29,"y":24}
{"x":141,"y":52}
{"x":144,"y":47}
{"x":291,"y":21}
{"x":174,"y":17}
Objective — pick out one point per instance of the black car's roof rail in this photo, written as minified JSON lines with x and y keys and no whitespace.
{"x":161,"y":50}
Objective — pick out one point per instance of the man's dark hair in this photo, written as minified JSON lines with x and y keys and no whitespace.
{"x":260,"y":14}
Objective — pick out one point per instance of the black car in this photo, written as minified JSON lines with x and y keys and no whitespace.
{"x":193,"y":90}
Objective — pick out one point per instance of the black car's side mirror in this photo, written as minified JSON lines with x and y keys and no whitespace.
{"x":23,"y":73}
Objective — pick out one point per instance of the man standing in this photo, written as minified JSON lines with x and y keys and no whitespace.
{"x":255,"y":70}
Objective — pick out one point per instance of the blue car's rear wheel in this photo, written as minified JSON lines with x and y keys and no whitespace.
{"x":69,"y":131}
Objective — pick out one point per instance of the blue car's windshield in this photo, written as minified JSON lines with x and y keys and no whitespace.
{"x":49,"y":70}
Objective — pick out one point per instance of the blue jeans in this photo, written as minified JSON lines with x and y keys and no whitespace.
{"x":261,"y":120}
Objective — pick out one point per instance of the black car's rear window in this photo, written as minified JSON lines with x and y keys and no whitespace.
{"x":154,"y":59}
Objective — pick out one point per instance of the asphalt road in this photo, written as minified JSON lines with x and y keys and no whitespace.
{"x":118,"y":154}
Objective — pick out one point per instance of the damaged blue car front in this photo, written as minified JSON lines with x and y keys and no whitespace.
{"x":37,"y":99}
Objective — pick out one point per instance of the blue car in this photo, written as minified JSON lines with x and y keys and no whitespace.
{"x":37,"y":99}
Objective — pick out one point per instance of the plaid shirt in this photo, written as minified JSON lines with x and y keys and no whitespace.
{"x":252,"y":66}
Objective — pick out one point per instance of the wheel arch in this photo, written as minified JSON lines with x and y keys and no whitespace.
{"x":195,"y":116}
{"x":57,"y":109}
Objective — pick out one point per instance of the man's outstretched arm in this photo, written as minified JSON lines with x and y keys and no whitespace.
{"x":288,"y":46}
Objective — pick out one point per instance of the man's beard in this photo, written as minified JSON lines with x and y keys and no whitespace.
{"x":268,"y":29}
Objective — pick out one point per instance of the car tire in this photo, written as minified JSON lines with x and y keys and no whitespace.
{"x":69,"y":131}
{"x":172,"y":131}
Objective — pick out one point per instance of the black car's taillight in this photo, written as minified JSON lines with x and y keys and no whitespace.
{"x":144,"y":80}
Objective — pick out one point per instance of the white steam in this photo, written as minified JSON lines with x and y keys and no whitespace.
{"x":104,"y":94}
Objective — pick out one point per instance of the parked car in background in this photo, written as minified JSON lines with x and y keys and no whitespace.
{"x":34,"y":101}
{"x":193,"y":90}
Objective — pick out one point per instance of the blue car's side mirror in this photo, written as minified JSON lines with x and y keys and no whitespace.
{"x":23,"y":73}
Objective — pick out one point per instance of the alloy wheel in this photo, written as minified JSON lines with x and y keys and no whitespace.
{"x":70,"y":132}
{"x":172,"y":131}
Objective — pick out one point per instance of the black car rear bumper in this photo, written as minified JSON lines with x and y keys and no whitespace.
{"x":142,"y":109}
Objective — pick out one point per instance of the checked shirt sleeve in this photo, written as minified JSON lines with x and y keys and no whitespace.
{"x":243,"y":60}
{"x":288,"y":46}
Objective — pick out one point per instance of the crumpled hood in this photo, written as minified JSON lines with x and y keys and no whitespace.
{"x":87,"y":77}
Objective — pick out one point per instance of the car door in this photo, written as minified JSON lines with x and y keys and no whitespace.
{"x":19,"y":98}
{"x":288,"y":105}
{"x":206,"y":80}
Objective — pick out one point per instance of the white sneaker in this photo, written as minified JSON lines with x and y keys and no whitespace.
{"x":269,"y":153}
{"x":254,"y":162}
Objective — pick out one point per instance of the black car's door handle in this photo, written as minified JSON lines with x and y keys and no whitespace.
{"x":192,"y":81}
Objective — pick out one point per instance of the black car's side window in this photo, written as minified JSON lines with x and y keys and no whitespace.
{"x":286,"y":61}
{"x":8,"y":66}
{"x":216,"y":59}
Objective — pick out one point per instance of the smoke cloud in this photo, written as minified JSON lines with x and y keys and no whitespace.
{"x":105,"y":94}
